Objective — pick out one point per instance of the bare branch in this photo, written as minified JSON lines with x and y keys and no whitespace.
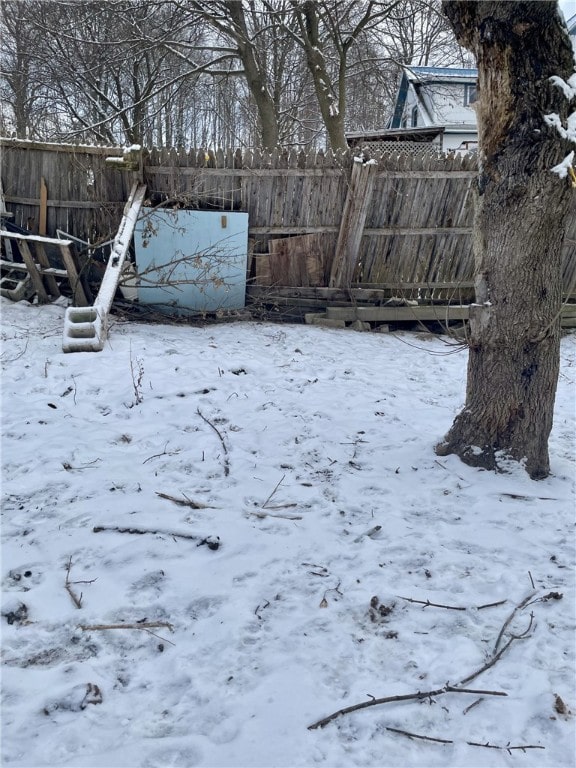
{"x":224,"y":447}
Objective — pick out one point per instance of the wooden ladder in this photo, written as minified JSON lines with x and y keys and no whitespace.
{"x":43,"y":276}
{"x":85,"y":327}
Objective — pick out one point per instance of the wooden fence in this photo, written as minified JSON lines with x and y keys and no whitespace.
{"x":416,"y":225}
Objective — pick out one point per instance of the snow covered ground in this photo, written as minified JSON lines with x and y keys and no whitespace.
{"x":309,"y":453}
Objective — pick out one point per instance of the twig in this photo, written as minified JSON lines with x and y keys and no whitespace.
{"x":447,"y":688}
{"x":13,"y":359}
{"x":89,"y":465}
{"x":75,"y":599}
{"x":100,"y":528}
{"x":164,"y":453}
{"x":145,"y":625}
{"x":224,"y":447}
{"x":471,"y":706}
{"x":213,"y":542}
{"x":491,"y":605}
{"x":137,"y":373}
{"x":262,"y":514}
{"x":497,"y":656}
{"x":336,"y":589}
{"x":531,"y":580}
{"x":278,"y":484}
{"x":427,"y":603}
{"x":508,"y":748}
{"x":67,"y":584}
{"x":164,"y":639}
{"x":521,"y":497}
{"x":372,"y":703}
{"x":454,"y":689}
{"x":185,"y":502}
{"x":418,"y":696}
{"x":509,"y":619}
{"x":418,"y":736}
{"x":549,"y":596}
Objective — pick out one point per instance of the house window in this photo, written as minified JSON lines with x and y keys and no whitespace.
{"x":414,"y":117}
{"x":470,"y":95}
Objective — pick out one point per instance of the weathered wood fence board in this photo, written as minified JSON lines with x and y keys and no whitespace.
{"x":417,"y":227}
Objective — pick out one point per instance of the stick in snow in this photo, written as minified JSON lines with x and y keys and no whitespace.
{"x":212,"y":542}
{"x":447,"y":688}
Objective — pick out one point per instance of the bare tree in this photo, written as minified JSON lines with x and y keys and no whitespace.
{"x":333,"y":39}
{"x":209,"y":72}
{"x":99,"y":66}
{"x":417,"y":33}
{"x":413,"y":32}
{"x":327,"y":32}
{"x":254,"y":35}
{"x":21,"y":95}
{"x":521,"y":208}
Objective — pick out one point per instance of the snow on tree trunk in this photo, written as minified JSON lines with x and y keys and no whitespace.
{"x":520,"y":213}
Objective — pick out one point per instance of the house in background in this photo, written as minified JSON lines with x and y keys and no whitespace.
{"x":434,"y":105}
{"x":434,"y":111}
{"x":439,"y":97}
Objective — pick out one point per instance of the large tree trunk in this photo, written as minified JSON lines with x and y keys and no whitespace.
{"x":255,"y":77}
{"x":332,"y":101}
{"x":332,"y":104}
{"x":520,"y":212}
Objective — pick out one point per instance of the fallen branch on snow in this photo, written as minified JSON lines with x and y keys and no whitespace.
{"x":185,"y":502}
{"x":212,"y":542}
{"x":509,"y":619}
{"x":262,"y":514}
{"x":278,"y":484}
{"x":427,"y":603}
{"x":420,"y":695}
{"x":418,"y":736}
{"x":508,"y":747}
{"x":497,"y":656}
{"x":136,"y":625}
{"x":68,"y":585}
{"x":266,"y":506}
{"x":164,"y":453}
{"x":146,"y":626}
{"x":224,"y":446}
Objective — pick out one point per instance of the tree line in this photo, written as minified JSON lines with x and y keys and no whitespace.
{"x":211,"y":72}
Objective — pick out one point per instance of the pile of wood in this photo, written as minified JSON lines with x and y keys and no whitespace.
{"x":382,"y":308}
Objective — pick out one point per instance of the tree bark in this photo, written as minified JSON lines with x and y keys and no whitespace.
{"x":520,"y":213}
{"x":331,"y":99}
{"x":255,"y":77}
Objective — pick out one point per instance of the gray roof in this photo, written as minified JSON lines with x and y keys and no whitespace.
{"x":441,"y":74}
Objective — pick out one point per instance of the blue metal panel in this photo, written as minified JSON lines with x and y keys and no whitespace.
{"x":191,"y":260}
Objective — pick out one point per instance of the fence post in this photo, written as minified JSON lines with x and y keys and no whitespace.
{"x":354,"y":216}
